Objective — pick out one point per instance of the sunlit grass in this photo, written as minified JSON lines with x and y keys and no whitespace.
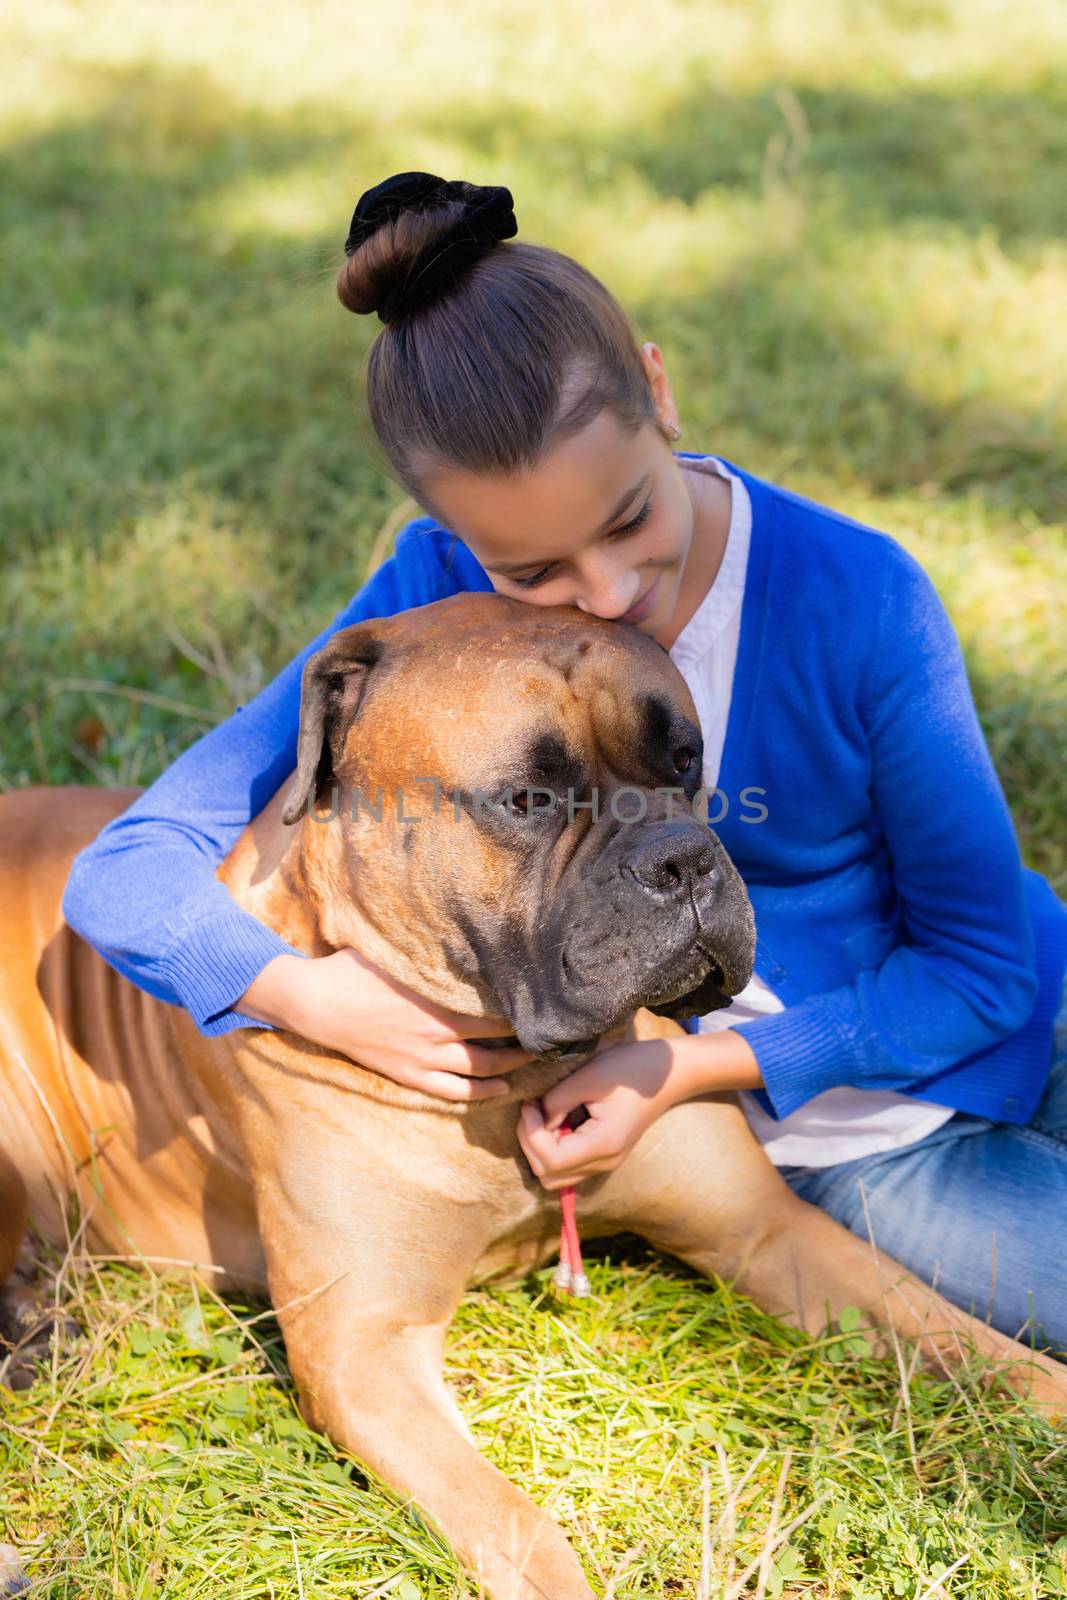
{"x":163,"y":1454}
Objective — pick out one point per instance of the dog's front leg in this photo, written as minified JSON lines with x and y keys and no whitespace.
{"x":380,"y":1395}
{"x":365,"y":1284}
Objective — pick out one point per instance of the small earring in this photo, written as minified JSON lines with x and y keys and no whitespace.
{"x":676,"y":432}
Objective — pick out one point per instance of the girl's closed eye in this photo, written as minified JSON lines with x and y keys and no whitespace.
{"x":542,"y":575}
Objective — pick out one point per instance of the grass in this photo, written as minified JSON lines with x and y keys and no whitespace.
{"x":845,"y":227}
{"x":668,"y":1425}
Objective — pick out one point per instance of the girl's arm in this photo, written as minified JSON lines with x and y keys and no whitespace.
{"x":144,"y":893}
{"x":964,"y":978}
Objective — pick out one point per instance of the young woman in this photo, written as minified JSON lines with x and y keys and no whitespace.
{"x":900,"y":1026}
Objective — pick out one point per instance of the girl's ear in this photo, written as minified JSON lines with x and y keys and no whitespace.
{"x":332,"y":690}
{"x":659,"y":383}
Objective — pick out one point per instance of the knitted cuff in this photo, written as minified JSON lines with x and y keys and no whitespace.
{"x":213,"y":962}
{"x":800,"y":1052}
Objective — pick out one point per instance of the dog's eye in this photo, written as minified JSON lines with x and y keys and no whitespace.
{"x":531,"y":802}
{"x":683,"y":759}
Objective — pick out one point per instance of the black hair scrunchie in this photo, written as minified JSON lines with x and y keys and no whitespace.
{"x":489,"y":218}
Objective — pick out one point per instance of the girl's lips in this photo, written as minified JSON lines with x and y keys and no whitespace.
{"x":638,"y":612}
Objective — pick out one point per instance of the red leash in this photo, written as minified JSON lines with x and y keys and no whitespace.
{"x":569,"y":1276}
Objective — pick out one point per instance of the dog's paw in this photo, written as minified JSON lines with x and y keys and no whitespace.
{"x":13,"y":1578}
{"x":29,"y":1326}
{"x":1045,"y":1386}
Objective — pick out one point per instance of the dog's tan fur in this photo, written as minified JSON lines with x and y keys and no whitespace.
{"x":364,"y":1209}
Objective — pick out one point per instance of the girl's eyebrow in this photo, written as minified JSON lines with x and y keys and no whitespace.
{"x":521,"y":566}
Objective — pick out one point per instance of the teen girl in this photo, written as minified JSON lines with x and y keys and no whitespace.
{"x":896,"y":1052}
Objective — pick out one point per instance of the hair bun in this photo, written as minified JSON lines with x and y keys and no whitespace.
{"x":405,"y":191}
{"x":485,"y":217}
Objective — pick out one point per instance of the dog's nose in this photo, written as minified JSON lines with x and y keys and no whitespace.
{"x":672,"y":860}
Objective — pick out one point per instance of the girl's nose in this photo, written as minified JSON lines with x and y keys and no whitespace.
{"x":608,"y":592}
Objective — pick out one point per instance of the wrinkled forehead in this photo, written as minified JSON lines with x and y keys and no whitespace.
{"x":544,"y":691}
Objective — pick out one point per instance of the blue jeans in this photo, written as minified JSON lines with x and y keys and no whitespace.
{"x":936,"y":1206}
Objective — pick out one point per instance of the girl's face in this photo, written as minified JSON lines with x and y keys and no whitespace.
{"x":604,"y":523}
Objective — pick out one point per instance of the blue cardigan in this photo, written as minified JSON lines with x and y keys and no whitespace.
{"x":896,"y":922}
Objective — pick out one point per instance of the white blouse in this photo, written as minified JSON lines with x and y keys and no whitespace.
{"x":840,"y":1123}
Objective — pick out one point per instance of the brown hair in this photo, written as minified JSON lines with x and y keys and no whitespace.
{"x":518,"y":352}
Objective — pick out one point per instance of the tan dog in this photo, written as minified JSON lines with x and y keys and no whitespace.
{"x":363,"y":1208}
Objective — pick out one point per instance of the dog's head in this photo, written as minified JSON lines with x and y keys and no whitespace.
{"x":502,"y":795}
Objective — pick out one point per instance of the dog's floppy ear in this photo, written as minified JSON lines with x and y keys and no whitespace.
{"x":332,"y":686}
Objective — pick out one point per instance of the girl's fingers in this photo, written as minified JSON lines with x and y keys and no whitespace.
{"x":535,"y":1163}
{"x":531,"y":1122}
{"x":563,"y":1157}
{"x":559,"y":1101}
{"x":477,"y":1038}
{"x":529,"y":1125}
{"x":467,"y":1027}
{"x":454,"y":1086}
{"x":482,"y":1060}
{"x":533,"y":1142}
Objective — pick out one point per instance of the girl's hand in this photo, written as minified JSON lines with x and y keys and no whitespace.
{"x":624,"y":1088}
{"x":345,"y":1003}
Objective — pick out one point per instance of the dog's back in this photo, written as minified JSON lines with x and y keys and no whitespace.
{"x":102,"y":1087}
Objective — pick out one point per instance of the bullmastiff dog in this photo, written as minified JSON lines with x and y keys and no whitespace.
{"x":362,"y":1208}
